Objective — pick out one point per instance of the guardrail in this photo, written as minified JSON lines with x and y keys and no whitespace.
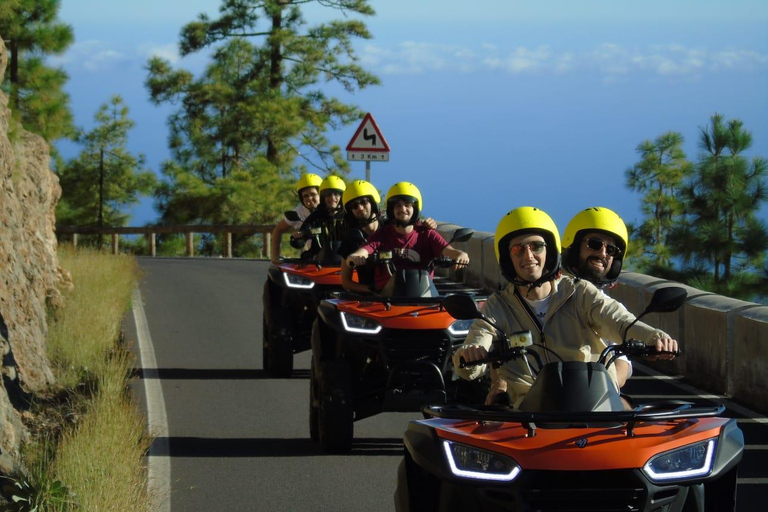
{"x":724,"y":340}
{"x":188,"y":230}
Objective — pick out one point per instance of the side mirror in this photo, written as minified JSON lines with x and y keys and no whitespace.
{"x":461,"y":307}
{"x":292,"y":216}
{"x":462,"y":235}
{"x":666,"y":300}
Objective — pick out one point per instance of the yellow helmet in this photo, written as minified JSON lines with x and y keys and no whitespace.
{"x":308,"y":180}
{"x":358,"y":189}
{"x":595,"y":219}
{"x":521,"y":221}
{"x":408,"y":191}
{"x":332,"y":183}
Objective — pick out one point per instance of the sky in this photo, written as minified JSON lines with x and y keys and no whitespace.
{"x":486,"y":105}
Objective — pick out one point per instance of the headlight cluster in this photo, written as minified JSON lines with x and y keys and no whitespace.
{"x":460,"y":327}
{"x":359,"y":324}
{"x":297,"y":281}
{"x":687,"y":462}
{"x":470,"y":462}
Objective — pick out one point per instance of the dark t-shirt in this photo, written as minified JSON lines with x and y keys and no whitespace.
{"x":413,"y":250}
{"x":332,"y":230}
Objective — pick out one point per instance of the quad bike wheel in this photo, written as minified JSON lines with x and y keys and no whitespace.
{"x":314,"y":426}
{"x":336,"y":413}
{"x":278,"y":354}
{"x":264,"y":343}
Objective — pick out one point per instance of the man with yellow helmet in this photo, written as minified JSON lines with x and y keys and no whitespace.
{"x":328,"y":216}
{"x":414,"y":243}
{"x":594,"y":244}
{"x":307,"y":189}
{"x":570,"y":317}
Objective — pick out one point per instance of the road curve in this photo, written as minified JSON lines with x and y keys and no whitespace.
{"x":239,"y":440}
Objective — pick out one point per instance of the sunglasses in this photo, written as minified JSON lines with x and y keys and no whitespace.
{"x":354,"y":205}
{"x":535,"y":247}
{"x":596,"y":244}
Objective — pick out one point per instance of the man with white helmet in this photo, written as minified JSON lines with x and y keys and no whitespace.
{"x":570,"y":317}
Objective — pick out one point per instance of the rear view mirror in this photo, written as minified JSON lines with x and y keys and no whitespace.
{"x":461,"y":307}
{"x":462,"y":235}
{"x":666,"y":300}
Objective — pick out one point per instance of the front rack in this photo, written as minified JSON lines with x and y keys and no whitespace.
{"x":666,"y":410}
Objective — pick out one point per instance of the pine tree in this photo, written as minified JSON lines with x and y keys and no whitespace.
{"x":105,"y":178}
{"x":256,"y":116}
{"x":659,"y":175}
{"x":722,"y":240}
{"x":36,"y":91}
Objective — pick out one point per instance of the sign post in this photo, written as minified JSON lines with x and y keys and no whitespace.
{"x":368,"y":144}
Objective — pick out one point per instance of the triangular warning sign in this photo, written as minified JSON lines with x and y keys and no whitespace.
{"x":368,"y":137}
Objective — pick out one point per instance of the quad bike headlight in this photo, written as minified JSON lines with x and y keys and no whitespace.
{"x":359,"y":324}
{"x":297,"y":281}
{"x":470,"y":462}
{"x":686,"y":462}
{"x":460,"y":327}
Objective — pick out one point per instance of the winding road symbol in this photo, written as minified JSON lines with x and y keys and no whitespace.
{"x":371,"y":137}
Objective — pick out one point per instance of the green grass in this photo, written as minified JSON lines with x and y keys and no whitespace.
{"x":95,"y":462}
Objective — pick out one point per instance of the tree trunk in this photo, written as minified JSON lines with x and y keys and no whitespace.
{"x":14,"y":48}
{"x":100,"y":221}
{"x":275,"y":73}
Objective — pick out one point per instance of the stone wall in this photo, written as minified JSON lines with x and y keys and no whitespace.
{"x":724,"y":340}
{"x":29,"y":271}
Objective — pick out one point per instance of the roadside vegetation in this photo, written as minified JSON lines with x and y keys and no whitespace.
{"x":88,"y":436}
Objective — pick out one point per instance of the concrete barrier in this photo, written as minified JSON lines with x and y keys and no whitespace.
{"x":724,"y":340}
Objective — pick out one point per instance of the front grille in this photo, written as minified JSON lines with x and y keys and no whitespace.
{"x":599,"y":491}
{"x":407,"y":346}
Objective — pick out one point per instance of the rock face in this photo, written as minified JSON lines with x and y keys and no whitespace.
{"x":29,"y":271}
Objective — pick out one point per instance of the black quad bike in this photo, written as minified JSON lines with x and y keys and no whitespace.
{"x":292,"y":292}
{"x":373,"y":354}
{"x":571,"y":445}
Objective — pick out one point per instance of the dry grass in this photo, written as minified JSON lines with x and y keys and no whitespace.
{"x":99,"y":456}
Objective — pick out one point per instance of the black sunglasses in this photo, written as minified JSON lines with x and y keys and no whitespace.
{"x":359,"y":202}
{"x":597,"y":243}
{"x":519,"y":249}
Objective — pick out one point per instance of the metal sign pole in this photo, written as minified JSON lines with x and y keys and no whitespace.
{"x":368,"y":171}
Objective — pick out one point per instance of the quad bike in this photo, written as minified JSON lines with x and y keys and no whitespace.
{"x":571,"y":445}
{"x":373,"y":354}
{"x":292,"y":292}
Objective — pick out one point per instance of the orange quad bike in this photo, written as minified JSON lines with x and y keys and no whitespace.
{"x":374,"y":354}
{"x":292,"y":292}
{"x":571,"y":445}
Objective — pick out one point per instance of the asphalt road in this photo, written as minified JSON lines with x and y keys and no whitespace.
{"x":239,"y":440}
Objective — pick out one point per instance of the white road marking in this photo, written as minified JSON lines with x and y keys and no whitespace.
{"x":748,"y":413}
{"x":159,"y":462}
{"x":753,"y":481}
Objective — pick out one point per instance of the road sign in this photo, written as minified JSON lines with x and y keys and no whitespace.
{"x":368,"y":143}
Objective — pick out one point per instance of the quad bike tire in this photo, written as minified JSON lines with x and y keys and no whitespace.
{"x":336,"y":411}
{"x":314,"y":413}
{"x":278,"y":354}
{"x":264,"y":343}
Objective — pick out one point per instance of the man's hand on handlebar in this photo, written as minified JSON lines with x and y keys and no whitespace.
{"x":461,"y":260}
{"x":473,"y":353}
{"x":665,"y":344}
{"x":356,"y":261}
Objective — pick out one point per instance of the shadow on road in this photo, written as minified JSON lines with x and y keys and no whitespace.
{"x":210,"y":374}
{"x":247,"y":447}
